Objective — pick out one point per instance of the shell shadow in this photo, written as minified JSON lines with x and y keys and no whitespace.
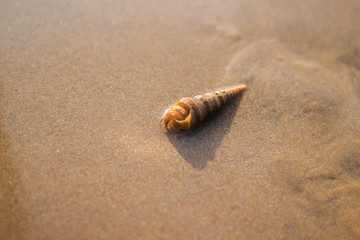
{"x":198,"y":146}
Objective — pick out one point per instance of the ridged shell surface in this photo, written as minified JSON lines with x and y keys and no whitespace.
{"x":184,"y":114}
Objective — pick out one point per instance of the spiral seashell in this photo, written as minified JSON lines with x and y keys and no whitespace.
{"x":190,"y":110}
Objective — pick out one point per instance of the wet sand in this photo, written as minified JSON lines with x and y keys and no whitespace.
{"x":84,"y":85}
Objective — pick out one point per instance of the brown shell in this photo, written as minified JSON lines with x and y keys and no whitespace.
{"x":184,"y":114}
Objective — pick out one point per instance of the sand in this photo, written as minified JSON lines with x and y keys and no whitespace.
{"x":83,"y":88}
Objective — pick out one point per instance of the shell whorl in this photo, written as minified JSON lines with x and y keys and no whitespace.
{"x":184,"y":114}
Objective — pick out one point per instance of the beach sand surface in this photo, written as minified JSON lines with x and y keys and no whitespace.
{"x":83,"y":85}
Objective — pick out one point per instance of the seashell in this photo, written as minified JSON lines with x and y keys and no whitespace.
{"x":184,"y":114}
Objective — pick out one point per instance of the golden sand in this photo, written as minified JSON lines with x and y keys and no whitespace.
{"x":83,"y":88}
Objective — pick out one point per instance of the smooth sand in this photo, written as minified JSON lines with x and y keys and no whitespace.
{"x":83,"y":87}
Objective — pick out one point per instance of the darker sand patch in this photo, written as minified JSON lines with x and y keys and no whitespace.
{"x":10,"y":217}
{"x":351,"y":59}
{"x":351,"y":164}
{"x":323,"y":197}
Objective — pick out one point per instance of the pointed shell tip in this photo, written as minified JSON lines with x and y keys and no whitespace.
{"x":239,"y":88}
